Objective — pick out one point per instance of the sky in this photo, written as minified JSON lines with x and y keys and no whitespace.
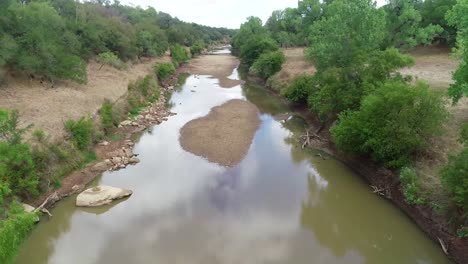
{"x":217,"y":13}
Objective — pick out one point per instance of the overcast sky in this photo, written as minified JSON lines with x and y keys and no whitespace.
{"x":218,"y":13}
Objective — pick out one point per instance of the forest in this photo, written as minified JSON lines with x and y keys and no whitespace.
{"x":54,"y":39}
{"x":366,"y":105}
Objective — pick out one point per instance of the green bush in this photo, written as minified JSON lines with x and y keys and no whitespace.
{"x":164,"y":70}
{"x":109,"y":58}
{"x":197,"y":48}
{"x":411,"y":186}
{"x":107,"y":116}
{"x":17,"y":171}
{"x":179,"y":55}
{"x":268,"y":64}
{"x":81,"y":132}
{"x":455,"y":178}
{"x":464,"y":133}
{"x":256,"y":46}
{"x":142,"y":91}
{"x":392,"y":124}
{"x":298,"y":91}
{"x":13,"y":231}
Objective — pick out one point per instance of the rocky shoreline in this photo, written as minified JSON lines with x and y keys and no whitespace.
{"x":111,"y":155}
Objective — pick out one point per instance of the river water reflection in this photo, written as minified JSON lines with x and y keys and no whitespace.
{"x":281,"y":204}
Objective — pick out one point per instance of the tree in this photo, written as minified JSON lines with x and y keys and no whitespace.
{"x":392,"y":123}
{"x":347,"y":33}
{"x":433,"y":13}
{"x":455,"y":178}
{"x":253,"y":27}
{"x":268,"y":64}
{"x":404,"y":26}
{"x":44,"y":46}
{"x":254,"y":47}
{"x":457,"y":17}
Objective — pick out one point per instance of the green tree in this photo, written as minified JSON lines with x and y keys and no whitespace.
{"x":253,"y":27}
{"x":392,"y":124}
{"x":256,"y":46}
{"x":404,"y":26}
{"x":347,"y":34}
{"x":455,"y":178}
{"x":44,"y":46}
{"x":433,"y":13}
{"x":268,"y":64}
{"x":457,"y":17}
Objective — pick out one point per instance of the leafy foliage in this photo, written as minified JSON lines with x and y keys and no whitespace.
{"x":392,"y":124}
{"x":108,"y":119}
{"x":179,"y":55}
{"x":164,"y":70}
{"x":111,"y":59}
{"x":457,"y":17}
{"x":455,"y":178}
{"x":81,"y":132}
{"x":404,"y":25}
{"x":410,"y":185}
{"x":197,"y":48}
{"x":13,"y":231}
{"x":268,"y":64}
{"x":256,"y":46}
{"x":298,"y":91}
{"x":347,"y":34}
{"x":141,"y":91}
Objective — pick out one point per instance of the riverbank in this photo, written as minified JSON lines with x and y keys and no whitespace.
{"x":382,"y":181}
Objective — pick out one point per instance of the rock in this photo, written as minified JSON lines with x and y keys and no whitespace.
{"x":134,"y":123}
{"x":78,"y":188}
{"x":101,"y":166}
{"x":126,"y":123}
{"x":116,"y":160}
{"x":101,"y":195}
{"x":28,"y":208}
{"x":134,"y":160}
{"x":104,"y":143}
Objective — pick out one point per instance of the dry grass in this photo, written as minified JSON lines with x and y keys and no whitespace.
{"x":434,"y":65}
{"x":295,"y":65}
{"x":48,"y":108}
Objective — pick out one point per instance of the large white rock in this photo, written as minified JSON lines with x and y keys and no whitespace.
{"x":101,"y":195}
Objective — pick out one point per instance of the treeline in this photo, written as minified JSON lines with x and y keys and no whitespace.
{"x":371,"y":109}
{"x":53,"y":39}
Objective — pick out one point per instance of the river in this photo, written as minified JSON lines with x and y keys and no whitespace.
{"x":281,"y":204}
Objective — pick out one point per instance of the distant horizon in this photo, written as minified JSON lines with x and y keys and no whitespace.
{"x":218,"y":13}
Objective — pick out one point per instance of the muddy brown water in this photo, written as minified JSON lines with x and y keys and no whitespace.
{"x":281,"y":204}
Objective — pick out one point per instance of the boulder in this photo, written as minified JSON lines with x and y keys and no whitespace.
{"x":101,"y":195}
{"x":28,"y":208}
{"x":126,"y":123}
{"x":133,"y":160}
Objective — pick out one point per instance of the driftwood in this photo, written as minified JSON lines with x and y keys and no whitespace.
{"x":444,"y":247}
{"x":377,"y":190}
{"x":54,"y":197}
{"x":308,"y":136}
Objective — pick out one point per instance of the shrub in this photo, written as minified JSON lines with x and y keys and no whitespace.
{"x":455,"y":178}
{"x":268,"y":64}
{"x":298,"y":91}
{"x":141,"y":91}
{"x":164,"y":70}
{"x":13,"y":231}
{"x":411,"y":186}
{"x":464,"y":133}
{"x":111,"y":59}
{"x":107,"y":116}
{"x":179,"y":55}
{"x":81,"y":132}
{"x":197,"y":48}
{"x":392,"y":123}
{"x":255,"y":47}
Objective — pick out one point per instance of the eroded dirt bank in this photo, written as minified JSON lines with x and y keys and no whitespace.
{"x":48,"y":108}
{"x":224,"y":135}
